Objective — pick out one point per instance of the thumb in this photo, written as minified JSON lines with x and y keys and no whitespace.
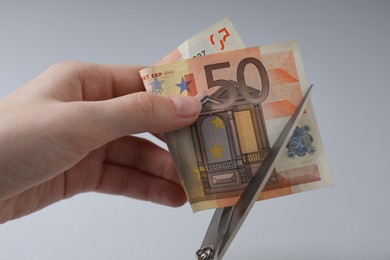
{"x":139,"y":112}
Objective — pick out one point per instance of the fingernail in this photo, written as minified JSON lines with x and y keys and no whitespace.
{"x":186,"y":106}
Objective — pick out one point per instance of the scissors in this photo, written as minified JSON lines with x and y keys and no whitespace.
{"x":226,"y":222}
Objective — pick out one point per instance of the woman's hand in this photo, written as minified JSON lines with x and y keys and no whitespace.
{"x":67,"y":131}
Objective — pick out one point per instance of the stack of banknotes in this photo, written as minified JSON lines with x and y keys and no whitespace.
{"x":247,"y":96}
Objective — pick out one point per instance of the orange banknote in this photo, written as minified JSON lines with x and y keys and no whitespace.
{"x":247,"y":97}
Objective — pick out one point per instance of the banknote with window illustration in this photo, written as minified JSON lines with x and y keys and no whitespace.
{"x":247,"y":96}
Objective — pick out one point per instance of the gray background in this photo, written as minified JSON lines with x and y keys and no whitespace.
{"x":345,"y":48}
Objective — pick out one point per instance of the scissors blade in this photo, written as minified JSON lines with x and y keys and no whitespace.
{"x":218,"y":236}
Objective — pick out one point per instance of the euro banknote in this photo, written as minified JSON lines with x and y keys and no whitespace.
{"x":247,"y":96}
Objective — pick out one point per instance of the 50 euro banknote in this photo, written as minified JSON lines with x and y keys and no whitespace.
{"x":247,"y":97}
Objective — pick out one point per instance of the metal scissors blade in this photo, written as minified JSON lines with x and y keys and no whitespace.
{"x":226,"y":222}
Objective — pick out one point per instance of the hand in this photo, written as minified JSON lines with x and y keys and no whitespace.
{"x":67,"y":132}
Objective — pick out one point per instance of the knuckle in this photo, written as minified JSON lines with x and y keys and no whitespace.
{"x":148,"y":195}
{"x":124,"y":186}
{"x":145,"y":103}
{"x":64,"y":70}
{"x":64,"y":66}
{"x":145,"y":108}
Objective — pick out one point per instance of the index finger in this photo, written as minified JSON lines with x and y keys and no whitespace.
{"x":93,"y":82}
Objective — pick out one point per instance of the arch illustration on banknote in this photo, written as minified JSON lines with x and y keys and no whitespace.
{"x":230,"y":138}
